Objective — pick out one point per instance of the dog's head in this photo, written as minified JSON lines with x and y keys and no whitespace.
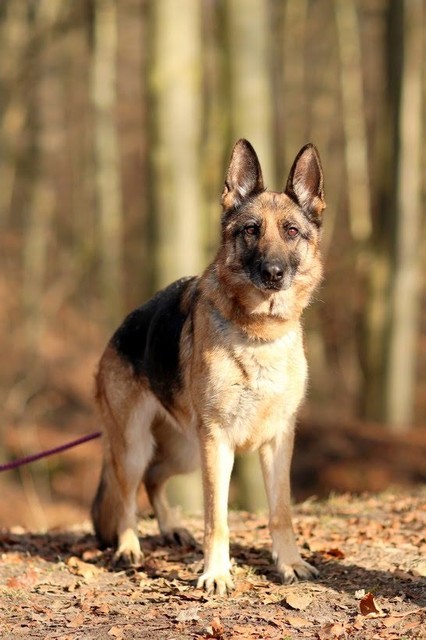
{"x":271,"y":239}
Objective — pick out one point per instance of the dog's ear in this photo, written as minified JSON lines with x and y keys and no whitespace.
{"x":305,"y":184}
{"x":244,"y":177}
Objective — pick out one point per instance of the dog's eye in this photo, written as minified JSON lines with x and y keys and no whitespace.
{"x":251,"y":230}
{"x":292,"y":232}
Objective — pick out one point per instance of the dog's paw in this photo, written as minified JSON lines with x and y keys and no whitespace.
{"x":216,"y":584}
{"x":179,"y":536}
{"x":128,"y":552}
{"x":298,"y":570}
{"x":126,"y":559}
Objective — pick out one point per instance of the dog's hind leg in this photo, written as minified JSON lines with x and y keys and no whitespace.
{"x":174,"y":454}
{"x":127,"y":413}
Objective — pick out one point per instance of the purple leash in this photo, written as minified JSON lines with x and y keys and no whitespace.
{"x":50,"y":452}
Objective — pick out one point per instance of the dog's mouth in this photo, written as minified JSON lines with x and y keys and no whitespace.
{"x":272,"y":286}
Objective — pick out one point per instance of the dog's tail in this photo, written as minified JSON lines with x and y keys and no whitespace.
{"x":105,"y":510}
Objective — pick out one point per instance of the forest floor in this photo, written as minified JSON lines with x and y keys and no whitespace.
{"x":370,"y":550}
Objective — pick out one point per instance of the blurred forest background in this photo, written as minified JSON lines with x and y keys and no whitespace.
{"x":117,"y":119}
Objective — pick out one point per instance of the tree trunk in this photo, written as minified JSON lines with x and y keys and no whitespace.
{"x":176,"y":121}
{"x":47,"y":144}
{"x":391,"y":315}
{"x":405,"y":280}
{"x":133,"y":137}
{"x":13,"y":46}
{"x":250,"y":81}
{"x":107,"y":161}
{"x":356,"y":152}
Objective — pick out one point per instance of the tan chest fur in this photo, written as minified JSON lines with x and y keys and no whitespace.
{"x":248,"y":388}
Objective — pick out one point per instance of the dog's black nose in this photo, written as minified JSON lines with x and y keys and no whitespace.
{"x":272,"y":272}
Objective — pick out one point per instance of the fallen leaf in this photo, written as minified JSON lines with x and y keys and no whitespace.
{"x":26,"y":580}
{"x":369,"y":607}
{"x":359,"y":622}
{"x":76,"y":621}
{"x":116,"y":632}
{"x":92,"y":554}
{"x":215,"y":629}
{"x":298,"y":623}
{"x":391,"y":621}
{"x":334,"y":553}
{"x":332,"y":630}
{"x":298,"y":601}
{"x":408,"y":626}
{"x":243,"y":586}
{"x":186,"y":615}
{"x":102,"y":609}
{"x":80,"y":568}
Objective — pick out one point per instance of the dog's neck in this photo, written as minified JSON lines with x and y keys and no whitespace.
{"x":255,"y":315}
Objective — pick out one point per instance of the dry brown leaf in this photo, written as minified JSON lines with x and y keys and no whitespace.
{"x":298,"y":601}
{"x":186,"y":615}
{"x":80,"y":568}
{"x":26,"y":580}
{"x":369,"y":607}
{"x":409,"y":626}
{"x":91,"y":554}
{"x":359,"y":622}
{"x":332,"y":630}
{"x":391,"y":621}
{"x":215,"y":629}
{"x":101,"y":609}
{"x":298,"y":623}
{"x":116,"y":632}
{"x":76,"y":621}
{"x":243,"y":586}
{"x":334,"y":553}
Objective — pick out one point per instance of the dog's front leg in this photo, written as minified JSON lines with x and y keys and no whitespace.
{"x":217,"y":459}
{"x":275,"y":458}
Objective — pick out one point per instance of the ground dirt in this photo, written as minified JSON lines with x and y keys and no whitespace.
{"x":370,"y":551}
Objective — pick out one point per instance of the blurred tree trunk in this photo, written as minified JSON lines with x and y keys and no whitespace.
{"x":251,"y":96}
{"x":215,"y":150}
{"x":390,"y":341}
{"x":13,"y":46}
{"x":250,"y":79}
{"x":133,"y":136}
{"x":47,"y":144}
{"x":107,"y":160}
{"x":38,"y":245}
{"x":405,"y":280}
{"x":353,"y":112}
{"x":293,"y":60}
{"x":176,"y":122}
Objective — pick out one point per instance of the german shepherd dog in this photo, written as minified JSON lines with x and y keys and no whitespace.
{"x":214,"y":365}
